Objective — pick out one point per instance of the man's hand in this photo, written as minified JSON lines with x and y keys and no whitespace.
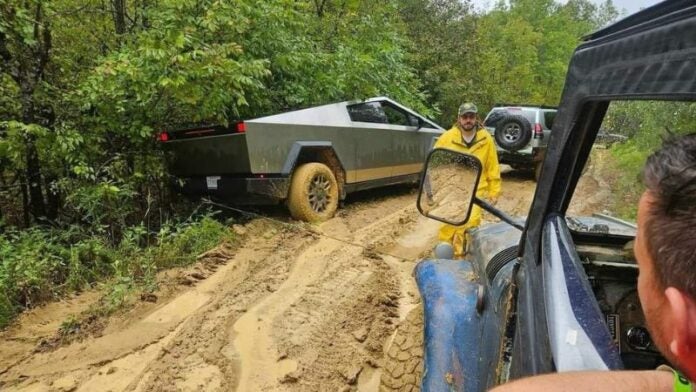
{"x":617,"y":381}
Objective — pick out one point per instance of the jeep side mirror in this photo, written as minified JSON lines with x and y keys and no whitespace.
{"x":448,"y":186}
{"x":448,"y":189}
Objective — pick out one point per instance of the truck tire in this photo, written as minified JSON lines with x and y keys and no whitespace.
{"x":313,"y":195}
{"x":403,"y":367}
{"x":513,"y":132}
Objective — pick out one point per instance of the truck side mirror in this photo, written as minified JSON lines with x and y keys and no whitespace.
{"x":448,"y":186}
{"x":414,"y":121}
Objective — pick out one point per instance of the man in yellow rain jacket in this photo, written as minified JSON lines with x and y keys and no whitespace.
{"x":469,"y":137}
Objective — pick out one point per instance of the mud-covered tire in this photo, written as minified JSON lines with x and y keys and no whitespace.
{"x":313,"y":195}
{"x":513,"y":132}
{"x":403,"y":363}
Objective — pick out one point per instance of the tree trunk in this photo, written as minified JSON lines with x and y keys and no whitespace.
{"x":119,"y":7}
{"x":28,"y":79}
{"x":52,"y":198}
{"x":319,"y":7}
{"x":48,"y":121}
{"x":33,"y":174}
{"x":145,"y":23}
{"x":25,"y":202}
{"x":33,"y":165}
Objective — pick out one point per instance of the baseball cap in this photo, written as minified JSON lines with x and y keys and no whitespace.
{"x":467,"y":107}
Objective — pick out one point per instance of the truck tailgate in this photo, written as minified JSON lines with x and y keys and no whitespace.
{"x":208,"y":155}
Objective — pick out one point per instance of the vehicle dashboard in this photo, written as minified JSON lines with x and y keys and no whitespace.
{"x":612,"y":272}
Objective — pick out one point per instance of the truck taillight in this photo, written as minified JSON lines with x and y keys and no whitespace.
{"x":241,"y":127}
{"x":538,"y":131}
{"x":163,"y":136}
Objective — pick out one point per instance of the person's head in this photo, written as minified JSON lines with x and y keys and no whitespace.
{"x":665,"y":249}
{"x":467,"y":116}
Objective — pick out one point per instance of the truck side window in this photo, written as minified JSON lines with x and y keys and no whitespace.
{"x":371,"y":112}
{"x":428,"y":125}
{"x":395,"y":116}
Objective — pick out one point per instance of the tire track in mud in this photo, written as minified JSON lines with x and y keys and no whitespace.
{"x":201,"y":355}
{"x":326,"y":325}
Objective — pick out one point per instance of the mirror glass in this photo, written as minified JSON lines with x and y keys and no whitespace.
{"x":448,"y":186}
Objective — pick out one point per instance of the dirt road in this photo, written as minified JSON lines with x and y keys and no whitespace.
{"x":291,"y":310}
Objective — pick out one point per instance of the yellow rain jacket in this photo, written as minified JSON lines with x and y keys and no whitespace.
{"x":482,"y":147}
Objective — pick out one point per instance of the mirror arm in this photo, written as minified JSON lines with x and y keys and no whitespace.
{"x":498,"y":213}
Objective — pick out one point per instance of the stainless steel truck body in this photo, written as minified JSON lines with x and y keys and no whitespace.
{"x":363,"y":144}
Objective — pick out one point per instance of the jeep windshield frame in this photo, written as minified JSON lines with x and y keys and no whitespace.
{"x":647,"y":56}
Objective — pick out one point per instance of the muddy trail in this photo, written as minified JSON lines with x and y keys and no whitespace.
{"x":295,"y":308}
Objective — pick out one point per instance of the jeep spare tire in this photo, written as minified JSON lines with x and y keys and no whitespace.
{"x":313,"y":195}
{"x":513,"y":132}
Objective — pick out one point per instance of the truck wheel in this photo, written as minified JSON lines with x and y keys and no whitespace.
{"x":403,"y":368}
{"x":313,"y":193}
{"x":513,"y":132}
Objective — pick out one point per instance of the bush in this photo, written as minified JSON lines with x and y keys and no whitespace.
{"x":37,"y":265}
{"x":627,"y":160}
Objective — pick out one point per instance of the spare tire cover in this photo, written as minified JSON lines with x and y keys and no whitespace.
{"x":513,"y":132}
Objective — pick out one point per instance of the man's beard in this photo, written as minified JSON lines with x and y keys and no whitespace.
{"x":468,"y":127}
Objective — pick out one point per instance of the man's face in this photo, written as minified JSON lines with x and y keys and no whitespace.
{"x":467,"y":121}
{"x":652,"y":295}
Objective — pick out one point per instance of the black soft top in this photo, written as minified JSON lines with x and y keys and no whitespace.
{"x":643,"y":17}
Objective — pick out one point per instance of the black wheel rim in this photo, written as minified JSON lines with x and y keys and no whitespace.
{"x":512,"y":132}
{"x":319,"y":193}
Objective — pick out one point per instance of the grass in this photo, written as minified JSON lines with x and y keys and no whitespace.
{"x":39,"y":265}
{"x":626,"y":164}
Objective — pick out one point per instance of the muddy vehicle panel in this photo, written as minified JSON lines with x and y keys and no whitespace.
{"x":353,"y":146}
{"x":560,"y":294}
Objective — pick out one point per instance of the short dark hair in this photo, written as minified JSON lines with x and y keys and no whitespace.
{"x":670,"y":177}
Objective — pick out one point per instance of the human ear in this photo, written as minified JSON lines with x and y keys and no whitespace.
{"x":682,"y":332}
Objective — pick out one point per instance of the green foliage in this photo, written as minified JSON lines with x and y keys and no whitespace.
{"x":188,"y":66}
{"x":441,"y":39}
{"x":645,"y":124}
{"x":37,"y":265}
{"x":517,"y":52}
{"x":351,"y":51}
{"x":69,"y":325}
{"x":524,"y":48}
